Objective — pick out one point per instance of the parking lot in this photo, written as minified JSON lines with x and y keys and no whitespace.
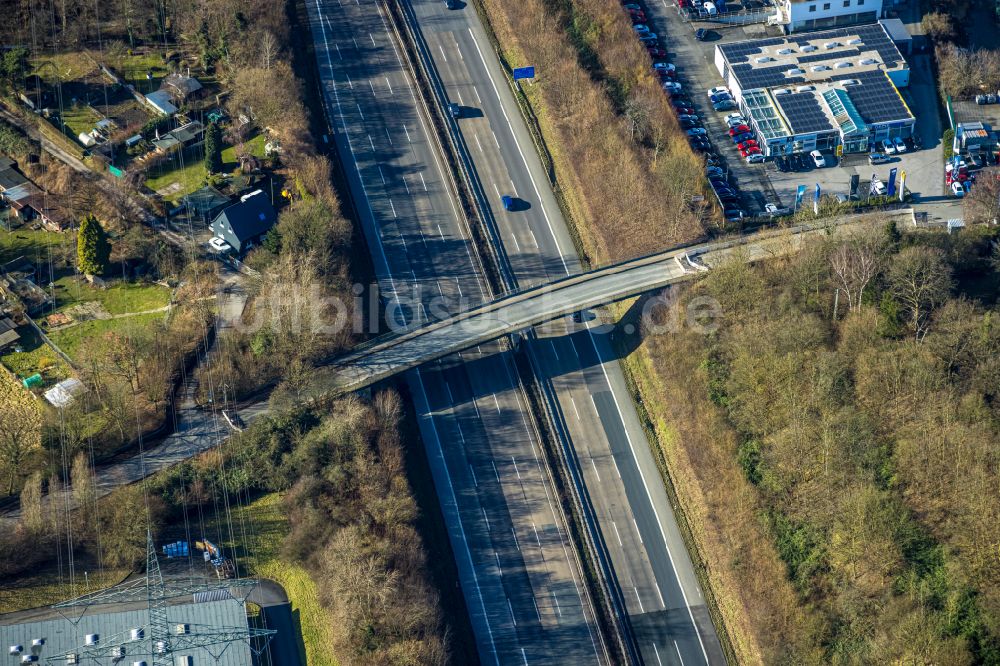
{"x":760,"y":184}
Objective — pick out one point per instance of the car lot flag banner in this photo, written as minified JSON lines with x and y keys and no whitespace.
{"x":816,"y":200}
{"x":902,"y":185}
{"x":891,"y":185}
{"x":871,"y":186}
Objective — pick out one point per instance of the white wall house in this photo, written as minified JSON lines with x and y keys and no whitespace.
{"x":797,"y":15}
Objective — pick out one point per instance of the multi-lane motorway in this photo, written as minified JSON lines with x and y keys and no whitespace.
{"x":522,"y":584}
{"x":654,"y":571}
{"x":520,"y":578}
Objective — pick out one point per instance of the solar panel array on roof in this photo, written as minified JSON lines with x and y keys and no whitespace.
{"x":803,"y":112}
{"x":876,"y":99}
{"x":824,"y":55}
{"x":766,"y":77}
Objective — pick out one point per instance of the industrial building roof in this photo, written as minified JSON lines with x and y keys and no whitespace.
{"x":59,"y":636}
{"x":767,"y":119}
{"x":828,"y":55}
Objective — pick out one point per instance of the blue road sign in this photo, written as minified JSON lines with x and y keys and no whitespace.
{"x":891,"y":187}
{"x":524,"y":73}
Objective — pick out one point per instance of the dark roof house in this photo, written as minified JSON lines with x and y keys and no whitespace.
{"x":243,"y":224}
{"x":8,"y":333}
{"x":179,"y":86}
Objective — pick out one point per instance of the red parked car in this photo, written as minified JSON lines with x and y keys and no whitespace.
{"x":752,"y":150}
{"x":638,"y":16}
{"x":746,"y":145}
{"x":656,"y":52}
{"x":739,"y":129}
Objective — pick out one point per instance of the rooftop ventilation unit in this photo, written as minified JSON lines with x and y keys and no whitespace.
{"x":182,"y":629}
{"x":72,"y":659}
{"x":137,"y":633}
{"x":804,"y":89}
{"x":795,"y":71}
{"x":38,"y":642}
{"x":785,"y":51}
{"x":765,"y":59}
{"x":842,"y":64}
{"x":91,"y":639}
{"x":29,"y":659}
{"x":869,"y":61}
{"x":15,"y":650}
{"x":808,"y":48}
{"x":851,"y":82}
{"x":831,"y":45}
{"x":118,"y":651}
{"x":855,"y":41}
{"x":782,"y":91}
{"x":819,"y":68}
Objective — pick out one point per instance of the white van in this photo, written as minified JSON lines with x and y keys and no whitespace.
{"x":711,"y":9}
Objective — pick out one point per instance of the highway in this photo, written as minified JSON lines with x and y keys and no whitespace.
{"x":521,"y":582}
{"x":653,"y":569}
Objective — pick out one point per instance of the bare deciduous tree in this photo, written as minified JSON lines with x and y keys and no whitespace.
{"x":857,"y":260}
{"x":920,"y":279}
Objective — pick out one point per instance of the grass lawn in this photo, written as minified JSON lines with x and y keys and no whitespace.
{"x":33,"y":245}
{"x":254,"y":146}
{"x":64,"y":67}
{"x":36,"y":357}
{"x":48,"y":587}
{"x":263,"y":558}
{"x":122,"y":298}
{"x":190,"y":177}
{"x":73,"y":338}
{"x":135,"y":67}
{"x":79,"y":119}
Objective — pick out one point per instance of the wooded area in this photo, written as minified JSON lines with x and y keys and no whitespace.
{"x":839,"y":467}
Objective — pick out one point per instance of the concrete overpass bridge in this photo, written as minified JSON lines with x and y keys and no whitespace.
{"x":389,"y":355}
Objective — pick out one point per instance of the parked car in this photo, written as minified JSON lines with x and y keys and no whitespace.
{"x":754,"y":158}
{"x":710,"y":9}
{"x":818,"y":160}
{"x":746,"y":145}
{"x":454,"y":110}
{"x":878,"y":187}
{"x":683,"y":110}
{"x":782,"y":164}
{"x":508,"y":202}
{"x":724,"y":105}
{"x":958,"y":189}
{"x":740,"y":138}
{"x":637,"y":15}
{"x":701,"y":34}
{"x":714,"y":171}
{"x":720,"y":97}
{"x":656,"y":52}
{"x":672,"y":86}
{"x":878,"y":158}
{"x":735,"y":119}
{"x":452,"y":4}
{"x":738,"y":129}
{"x":631,"y":6}
{"x":649,"y":38}
{"x":900,"y":145}
{"x":718,"y":90}
{"x":641,"y":29}
{"x":690,"y":117}
{"x":733,"y":214}
{"x":689,"y":124}
{"x":664,"y":67}
{"x":888,"y":147}
{"x":219,"y":244}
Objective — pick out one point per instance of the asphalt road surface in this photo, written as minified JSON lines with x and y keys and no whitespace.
{"x":523,"y":590}
{"x":652,"y":565}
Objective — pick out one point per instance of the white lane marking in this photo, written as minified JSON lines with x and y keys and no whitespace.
{"x":595,"y":470}
{"x":339,"y":56}
{"x":372,"y":37}
{"x":458,"y":283}
{"x":575,"y":410}
{"x":515,"y":468}
{"x":354,"y":39}
{"x":487,"y":519}
{"x":349,"y":82}
{"x":679,"y":653}
{"x":638,"y":533}
{"x":394,"y":215}
{"x":659,"y":593}
{"x":555,"y":351}
{"x":372,"y":86}
{"x":460,"y":101}
{"x":405,"y":185}
{"x":558,"y":607}
{"x":380,"y":174}
{"x":513,"y":188}
{"x":511,"y":609}
{"x":407,"y":133}
{"x":496,"y":189}
{"x":523,"y":655}
{"x":517,"y":143}
{"x":657,"y":653}
{"x":516,"y":543}
{"x":442,"y":53}
{"x":645,"y":484}
{"x":499,"y":568}
{"x":388,"y":84}
{"x":451,"y":400}
{"x":478,"y":98}
{"x":388,"y":136}
{"x":362,"y":114}
{"x":475,"y":481}
{"x":535,"y":530}
{"x":537,"y":614}
{"x":616,"y":466}
{"x":496,"y":403}
{"x":370,"y":142}
{"x":534,"y":241}
{"x":476,"y":136}
{"x":441,"y":234}
{"x":617,"y":533}
{"x":440,"y":291}
{"x":423,"y":182}
{"x":495,"y":472}
{"x":495,"y":139}
{"x":641,"y":609}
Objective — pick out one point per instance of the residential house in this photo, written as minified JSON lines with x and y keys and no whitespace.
{"x":8,"y":333}
{"x":181,"y":88}
{"x":243,"y":224}
{"x":27,"y":201}
{"x":186,"y":135}
{"x":162,"y":102}
{"x":205,"y":203}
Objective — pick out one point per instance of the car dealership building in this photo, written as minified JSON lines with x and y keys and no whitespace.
{"x":820,"y":90}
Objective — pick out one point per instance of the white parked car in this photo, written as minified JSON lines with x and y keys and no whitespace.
{"x":957,"y":189}
{"x":671,"y":86}
{"x":734,"y":119}
{"x":818,"y":159}
{"x":753,"y":158}
{"x":888,"y":147}
{"x":220,"y":245}
{"x":711,"y":9}
{"x":900,"y":145}
{"x":717,"y":90}
{"x":879,"y":188}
